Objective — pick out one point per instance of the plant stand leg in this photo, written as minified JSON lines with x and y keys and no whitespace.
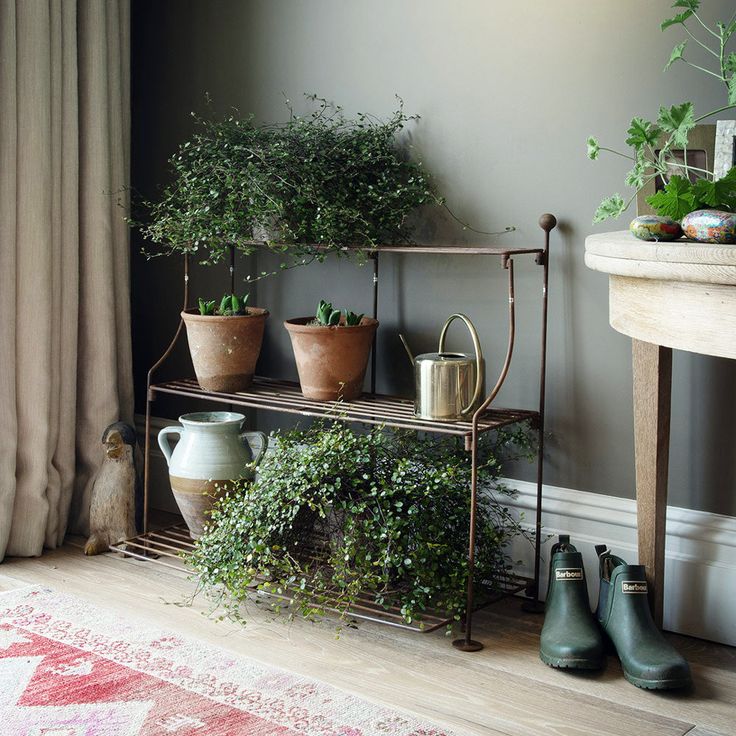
{"x":532,"y":604}
{"x":467,"y":644}
{"x":147,"y":465}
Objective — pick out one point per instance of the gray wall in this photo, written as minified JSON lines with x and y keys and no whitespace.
{"x":507,"y":94}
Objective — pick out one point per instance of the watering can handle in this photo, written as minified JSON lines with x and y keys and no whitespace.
{"x":478,"y":355}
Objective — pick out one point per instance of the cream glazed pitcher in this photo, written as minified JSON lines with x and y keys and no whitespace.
{"x":211,"y":453}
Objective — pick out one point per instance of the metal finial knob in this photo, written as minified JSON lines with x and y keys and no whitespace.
{"x":547,"y":222}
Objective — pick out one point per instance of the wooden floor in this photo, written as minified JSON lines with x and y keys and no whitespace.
{"x":503,"y":689}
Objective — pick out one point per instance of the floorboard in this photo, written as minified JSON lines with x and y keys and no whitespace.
{"x":504,"y":689}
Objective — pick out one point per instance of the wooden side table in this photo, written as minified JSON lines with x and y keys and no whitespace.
{"x":663,"y":295}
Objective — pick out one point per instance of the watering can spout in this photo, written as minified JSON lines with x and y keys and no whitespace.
{"x":406,"y":347}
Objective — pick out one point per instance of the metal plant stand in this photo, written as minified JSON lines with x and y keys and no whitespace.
{"x":169,"y":547}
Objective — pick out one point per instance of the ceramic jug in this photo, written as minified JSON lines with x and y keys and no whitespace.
{"x":212,"y":452}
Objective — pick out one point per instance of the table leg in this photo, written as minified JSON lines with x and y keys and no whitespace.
{"x":652,"y":365}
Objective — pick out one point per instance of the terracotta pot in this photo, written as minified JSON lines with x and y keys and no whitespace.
{"x":331,"y":360}
{"x":225,"y":349}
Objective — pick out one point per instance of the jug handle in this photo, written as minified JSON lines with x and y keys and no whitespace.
{"x":163,"y":441}
{"x":478,"y":355}
{"x":261,"y":450}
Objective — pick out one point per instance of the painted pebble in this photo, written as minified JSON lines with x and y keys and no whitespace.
{"x":710,"y":226}
{"x":653,"y":227}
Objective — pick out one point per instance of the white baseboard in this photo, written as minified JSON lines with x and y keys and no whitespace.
{"x":700,"y":553}
{"x":700,"y":566}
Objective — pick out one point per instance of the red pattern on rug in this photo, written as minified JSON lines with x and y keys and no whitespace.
{"x":68,"y":676}
{"x":108,"y":677}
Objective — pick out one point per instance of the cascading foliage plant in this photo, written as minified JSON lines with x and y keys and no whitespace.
{"x":318,"y":179}
{"x":687,"y":188}
{"x":335,"y":516}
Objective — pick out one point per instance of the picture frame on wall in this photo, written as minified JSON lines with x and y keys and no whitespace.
{"x":725,"y":156}
{"x":700,"y":154}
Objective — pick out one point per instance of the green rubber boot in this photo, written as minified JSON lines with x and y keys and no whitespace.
{"x":570,"y":636}
{"x":649,"y":661}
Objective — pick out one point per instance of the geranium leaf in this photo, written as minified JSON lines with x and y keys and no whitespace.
{"x":679,"y":18}
{"x":692,"y":5}
{"x":612,"y":206}
{"x":642,"y":132}
{"x":705,"y":191}
{"x":635,"y":177}
{"x":676,"y":54}
{"x":676,"y":200}
{"x":720,"y":194}
{"x":732,"y":90}
{"x":730,"y":63}
{"x":593,"y":148}
{"x":678,"y":121}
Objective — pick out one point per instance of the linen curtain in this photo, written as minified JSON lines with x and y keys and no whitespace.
{"x":65,"y":370}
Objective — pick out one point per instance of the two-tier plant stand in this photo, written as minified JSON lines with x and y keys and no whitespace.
{"x":170,"y":546}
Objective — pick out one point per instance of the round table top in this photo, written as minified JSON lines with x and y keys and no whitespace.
{"x":621,"y":254}
{"x":679,"y":294}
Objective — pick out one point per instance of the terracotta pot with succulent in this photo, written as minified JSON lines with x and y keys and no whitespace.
{"x":225,"y":342}
{"x":659,"y":149}
{"x":331,"y":351}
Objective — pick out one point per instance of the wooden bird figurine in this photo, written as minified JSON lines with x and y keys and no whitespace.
{"x":112,"y":513}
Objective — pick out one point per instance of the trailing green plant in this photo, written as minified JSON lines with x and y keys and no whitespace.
{"x":653,"y":143}
{"x":335,"y":515}
{"x":230,"y":306}
{"x":317,"y":179}
{"x":311,"y":186}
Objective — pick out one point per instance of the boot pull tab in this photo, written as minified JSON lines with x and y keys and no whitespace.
{"x":601,"y":549}
{"x":563,"y":542}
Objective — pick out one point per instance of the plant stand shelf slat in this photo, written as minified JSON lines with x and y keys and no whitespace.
{"x":391,"y":411}
{"x":171,"y":546}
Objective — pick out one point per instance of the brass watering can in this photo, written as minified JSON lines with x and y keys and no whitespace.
{"x":448,"y":385}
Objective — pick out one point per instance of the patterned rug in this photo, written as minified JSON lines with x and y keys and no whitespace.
{"x":68,"y":668}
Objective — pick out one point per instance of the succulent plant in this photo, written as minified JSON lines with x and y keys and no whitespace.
{"x":326,"y":315}
{"x":230,"y":306}
{"x":206,"y":309}
{"x":352,"y":319}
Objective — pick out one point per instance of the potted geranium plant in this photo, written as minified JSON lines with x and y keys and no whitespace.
{"x":331,"y":351}
{"x":687,"y":189}
{"x":225,"y":342}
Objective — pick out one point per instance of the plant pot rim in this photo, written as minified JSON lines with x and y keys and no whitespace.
{"x":302,"y":324}
{"x":193,"y":315}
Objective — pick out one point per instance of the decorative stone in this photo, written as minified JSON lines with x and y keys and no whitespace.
{"x":653,"y":227}
{"x":710,"y":226}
